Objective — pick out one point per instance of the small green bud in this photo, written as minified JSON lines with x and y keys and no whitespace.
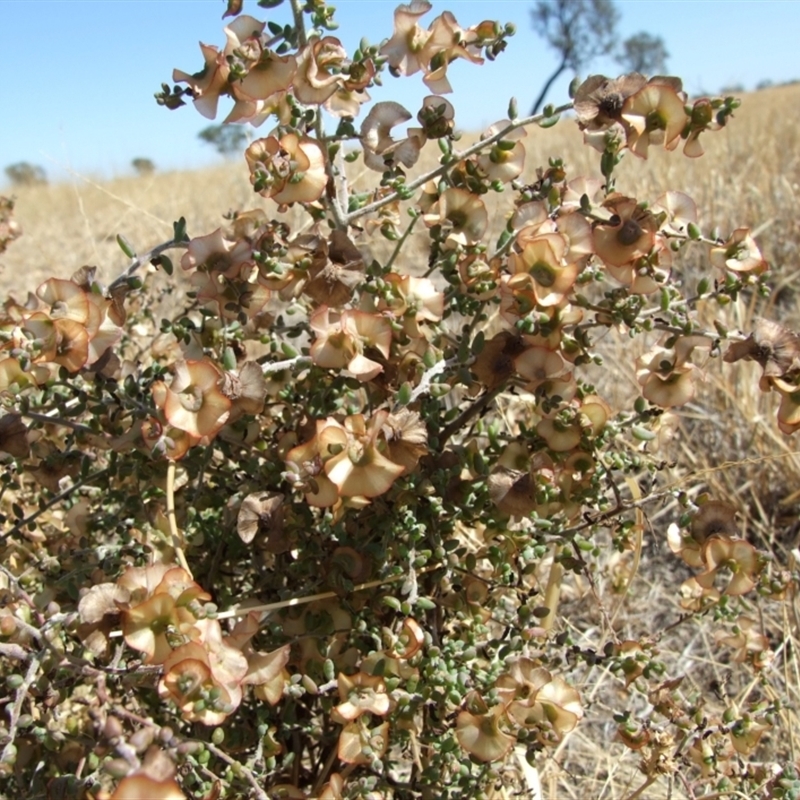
{"x":165,"y":262}
{"x":404,"y":394}
{"x":392,"y":602}
{"x":125,"y":246}
{"x":642,"y":434}
{"x":229,"y":359}
{"x":14,"y":681}
{"x":550,"y":120}
{"x":513,"y":109}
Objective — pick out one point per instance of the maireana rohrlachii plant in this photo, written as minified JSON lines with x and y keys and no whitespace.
{"x":311,"y":533}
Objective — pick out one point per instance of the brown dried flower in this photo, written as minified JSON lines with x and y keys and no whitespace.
{"x":775,"y":348}
{"x":598,"y":101}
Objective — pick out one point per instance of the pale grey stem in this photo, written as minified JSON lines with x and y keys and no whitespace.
{"x":280,"y":366}
{"x":299,"y":22}
{"x":411,"y":584}
{"x":145,"y":258}
{"x":247,"y":774}
{"x":342,"y":199}
{"x":424,"y":385}
{"x":336,"y":177}
{"x":457,"y":156}
{"x":16,"y":709}
{"x":51,"y":419}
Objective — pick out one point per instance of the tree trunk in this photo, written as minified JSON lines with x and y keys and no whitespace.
{"x":546,"y":88}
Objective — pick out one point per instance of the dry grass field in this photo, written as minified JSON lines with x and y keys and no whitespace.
{"x":729,"y":444}
{"x":749,"y":175}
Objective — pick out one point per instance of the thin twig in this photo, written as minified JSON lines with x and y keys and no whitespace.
{"x":207,"y":456}
{"x":337,"y":181}
{"x":649,"y":782}
{"x":240,"y":768}
{"x":424,"y":385}
{"x":667,"y":491}
{"x":457,"y":156}
{"x":123,"y":713}
{"x":11,"y":650}
{"x":552,"y":592}
{"x":400,"y":242}
{"x":53,"y":501}
{"x":16,"y":709}
{"x":240,"y":611}
{"x":587,"y":573}
{"x":280,"y":366}
{"x":469,"y":412}
{"x":299,"y":23}
{"x":338,"y":203}
{"x":236,"y":611}
{"x":28,"y":600}
{"x":145,"y":258}
{"x":47,"y":419}
{"x":412,"y":584}
{"x":177,"y":537}
{"x":324,"y":771}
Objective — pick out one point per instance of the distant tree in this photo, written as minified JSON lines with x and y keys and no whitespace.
{"x":764,"y":84}
{"x":143,"y":166}
{"x":226,"y":139}
{"x":578,"y":30}
{"x":25,"y":174}
{"x":643,"y":53}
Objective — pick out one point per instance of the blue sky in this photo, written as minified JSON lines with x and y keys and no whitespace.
{"x":80,"y":76}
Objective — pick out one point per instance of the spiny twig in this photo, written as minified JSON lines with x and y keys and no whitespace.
{"x":53,"y":501}
{"x":456,"y":157}
{"x":145,"y":258}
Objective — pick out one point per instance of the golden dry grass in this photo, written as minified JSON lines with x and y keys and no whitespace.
{"x":730,"y":445}
{"x":750,"y":175}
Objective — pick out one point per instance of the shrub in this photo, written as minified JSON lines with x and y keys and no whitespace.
{"x":143,"y":166}
{"x":228,"y":141}
{"x":10,"y":229}
{"x":311,"y":530}
{"x":25,"y":174}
